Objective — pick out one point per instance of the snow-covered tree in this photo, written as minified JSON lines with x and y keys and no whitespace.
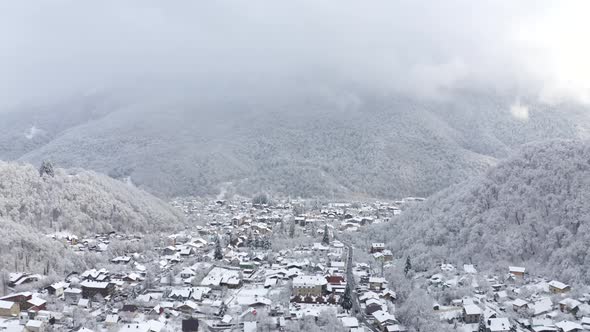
{"x":416,"y":313}
{"x":482,"y":324}
{"x":282,"y":227}
{"x":408,"y":266}
{"x":46,"y":168}
{"x":267,"y":243}
{"x":218,"y":255}
{"x":261,"y":199}
{"x":326,"y":239}
{"x":250,"y":242}
{"x":257,"y":242}
{"x":292,"y":229}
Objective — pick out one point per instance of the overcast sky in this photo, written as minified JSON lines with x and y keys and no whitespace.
{"x":59,"y":47}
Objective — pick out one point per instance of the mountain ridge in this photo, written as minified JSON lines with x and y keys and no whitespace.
{"x":329,"y":144}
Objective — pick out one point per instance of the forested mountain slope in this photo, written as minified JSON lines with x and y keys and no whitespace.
{"x":313,"y":142}
{"x":24,"y":248}
{"x":78,"y":201}
{"x":531,"y":209}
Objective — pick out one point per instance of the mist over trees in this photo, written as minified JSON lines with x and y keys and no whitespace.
{"x":337,"y":140}
{"x":531,"y":210}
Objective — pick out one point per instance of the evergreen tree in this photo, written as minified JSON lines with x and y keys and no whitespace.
{"x":171,"y":278}
{"x":292,"y":230}
{"x":282,"y":228}
{"x":482,"y":324}
{"x":261,"y":199}
{"x":218,"y":254}
{"x":408,"y":265}
{"x":250,"y":240}
{"x":267,"y":244}
{"x":326,"y":239}
{"x":46,"y":168}
{"x":346,"y":301}
{"x":4,"y":281}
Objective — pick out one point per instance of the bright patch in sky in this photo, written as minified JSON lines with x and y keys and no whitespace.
{"x":558,"y":51}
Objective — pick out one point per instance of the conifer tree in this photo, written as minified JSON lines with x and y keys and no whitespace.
{"x":326,"y":239}
{"x":346,"y":301}
{"x":482,"y":325}
{"x":46,"y":168}
{"x":292,"y":230}
{"x":408,"y":265}
{"x":218,"y":254}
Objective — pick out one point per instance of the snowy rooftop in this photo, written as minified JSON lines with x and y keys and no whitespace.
{"x":472,"y":309}
{"x":557,"y":284}
{"x":6,"y":304}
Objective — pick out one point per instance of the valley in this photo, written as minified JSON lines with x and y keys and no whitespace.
{"x":287,"y":265}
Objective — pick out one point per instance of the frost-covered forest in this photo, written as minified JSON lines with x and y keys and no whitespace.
{"x":79,"y":201}
{"x":23,"y":248}
{"x":531,"y":209}
{"x":341,"y":141}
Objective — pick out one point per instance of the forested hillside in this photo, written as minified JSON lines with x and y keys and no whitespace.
{"x":320,"y":141}
{"x":531,"y":209}
{"x":78,"y":201}
{"x":24,"y":248}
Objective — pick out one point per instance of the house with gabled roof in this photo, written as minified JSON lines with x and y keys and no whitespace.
{"x":383,"y":319}
{"x":517,"y":271}
{"x":557,"y":287}
{"x":9,"y":309}
{"x":377,"y":247}
{"x":471,"y":313}
{"x":377,"y":283}
{"x":92,"y":288}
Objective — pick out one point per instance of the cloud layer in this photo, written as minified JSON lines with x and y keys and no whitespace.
{"x":56,"y":47}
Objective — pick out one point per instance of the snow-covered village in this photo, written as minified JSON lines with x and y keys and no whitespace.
{"x":300,"y":165}
{"x":289,"y":266}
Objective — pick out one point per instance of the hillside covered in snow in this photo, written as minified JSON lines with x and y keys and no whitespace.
{"x":325,"y":140}
{"x":531,"y":209}
{"x":79,"y":201}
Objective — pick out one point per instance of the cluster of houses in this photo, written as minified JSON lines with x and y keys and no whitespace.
{"x":513,"y":301}
{"x":220,"y":274}
{"x":98,"y":243}
{"x":311,"y":215}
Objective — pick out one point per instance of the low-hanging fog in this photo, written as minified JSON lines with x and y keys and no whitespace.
{"x":56,"y":47}
{"x":303,"y":97}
